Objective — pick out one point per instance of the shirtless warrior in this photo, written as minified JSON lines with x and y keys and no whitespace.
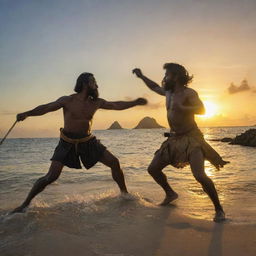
{"x":185,"y":144}
{"x":76,"y":141}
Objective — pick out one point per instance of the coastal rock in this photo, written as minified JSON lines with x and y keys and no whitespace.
{"x":115,"y":125}
{"x":148,"y":123}
{"x":248,"y":138}
{"x":226,"y":139}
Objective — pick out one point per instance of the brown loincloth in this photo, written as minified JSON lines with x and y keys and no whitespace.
{"x":177,"y":149}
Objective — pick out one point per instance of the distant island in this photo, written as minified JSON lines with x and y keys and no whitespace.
{"x":148,"y":123}
{"x":115,"y":126}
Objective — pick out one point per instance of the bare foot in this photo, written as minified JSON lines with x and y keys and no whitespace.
{"x":127,"y":196}
{"x":169,"y":198}
{"x":20,"y":209}
{"x":219,"y":216}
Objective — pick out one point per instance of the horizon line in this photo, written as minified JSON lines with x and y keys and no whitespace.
{"x":230,"y":126}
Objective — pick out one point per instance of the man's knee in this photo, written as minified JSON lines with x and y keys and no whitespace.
{"x":51,"y":177}
{"x":153,"y":170}
{"x":201,"y":178}
{"x":114,"y":164}
{"x":42,"y":182}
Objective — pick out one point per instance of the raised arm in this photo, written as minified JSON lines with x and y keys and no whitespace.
{"x":149,"y":83}
{"x":43,"y":109}
{"x":121,"y":105}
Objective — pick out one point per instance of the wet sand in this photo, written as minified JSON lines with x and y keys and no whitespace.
{"x":112,"y":226}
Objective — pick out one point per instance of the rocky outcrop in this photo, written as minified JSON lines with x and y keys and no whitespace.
{"x":115,"y":126}
{"x":226,"y":139}
{"x":148,"y":123}
{"x":248,"y":138}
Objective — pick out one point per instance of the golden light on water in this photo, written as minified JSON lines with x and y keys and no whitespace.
{"x":211,"y":109}
{"x":209,"y":169}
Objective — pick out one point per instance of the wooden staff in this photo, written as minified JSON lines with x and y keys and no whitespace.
{"x":3,"y":139}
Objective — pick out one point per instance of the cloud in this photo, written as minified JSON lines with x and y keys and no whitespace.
{"x":232,"y":89}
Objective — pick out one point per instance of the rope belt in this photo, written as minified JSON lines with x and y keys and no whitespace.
{"x":75,"y":141}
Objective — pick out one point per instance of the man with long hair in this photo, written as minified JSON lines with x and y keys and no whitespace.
{"x":185,"y":143}
{"x":77,"y":143}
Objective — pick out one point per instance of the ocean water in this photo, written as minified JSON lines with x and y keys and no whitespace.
{"x":24,"y":160}
{"x":90,"y":198}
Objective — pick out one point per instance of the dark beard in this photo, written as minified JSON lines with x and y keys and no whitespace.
{"x":169,"y":85}
{"x":93,"y":93}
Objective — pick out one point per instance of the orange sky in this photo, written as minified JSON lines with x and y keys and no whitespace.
{"x":45,"y":46}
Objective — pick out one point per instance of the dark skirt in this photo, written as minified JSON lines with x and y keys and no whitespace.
{"x":88,"y":152}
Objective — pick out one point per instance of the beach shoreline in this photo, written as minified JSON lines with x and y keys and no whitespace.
{"x":119,"y":227}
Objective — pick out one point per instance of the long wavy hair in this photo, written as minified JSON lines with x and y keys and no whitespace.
{"x":81,"y":80}
{"x":183,"y":76}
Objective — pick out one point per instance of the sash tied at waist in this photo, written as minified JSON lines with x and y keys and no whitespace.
{"x":75,"y":141}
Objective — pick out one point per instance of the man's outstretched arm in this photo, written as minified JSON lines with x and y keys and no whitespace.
{"x":121,"y":105}
{"x":43,"y":109}
{"x":150,"y":84}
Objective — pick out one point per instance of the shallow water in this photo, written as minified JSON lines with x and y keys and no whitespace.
{"x":23,"y":161}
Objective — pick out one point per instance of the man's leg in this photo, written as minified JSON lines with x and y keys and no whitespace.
{"x":111,"y":161}
{"x":197,"y":166}
{"x":155,"y":170}
{"x":52,"y":175}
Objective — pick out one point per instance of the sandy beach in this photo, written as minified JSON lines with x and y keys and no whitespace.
{"x":114,"y":226}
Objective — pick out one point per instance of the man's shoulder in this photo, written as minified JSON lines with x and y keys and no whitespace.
{"x":190,"y":92}
{"x":100,"y":100}
{"x":64,"y":99}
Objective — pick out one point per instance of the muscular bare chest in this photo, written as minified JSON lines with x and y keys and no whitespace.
{"x":174,"y":98}
{"x":81,"y":110}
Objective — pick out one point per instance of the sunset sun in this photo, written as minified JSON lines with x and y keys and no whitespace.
{"x":211,"y":109}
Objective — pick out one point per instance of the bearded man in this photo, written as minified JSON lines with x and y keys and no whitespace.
{"x":185,"y":143}
{"x":77,"y":144}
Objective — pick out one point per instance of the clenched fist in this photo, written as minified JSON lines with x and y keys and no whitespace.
{"x":137,"y":72}
{"x":141,"y":101}
{"x":21,"y":117}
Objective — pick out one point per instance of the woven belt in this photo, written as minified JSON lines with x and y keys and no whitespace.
{"x":75,"y":141}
